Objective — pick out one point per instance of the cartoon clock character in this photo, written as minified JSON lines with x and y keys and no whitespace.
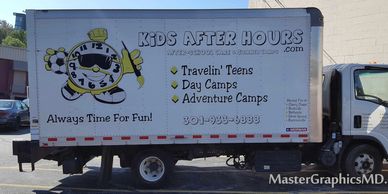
{"x":94,"y":67}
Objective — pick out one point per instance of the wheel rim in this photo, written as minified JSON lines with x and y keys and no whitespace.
{"x":364,"y":164}
{"x":151,"y":168}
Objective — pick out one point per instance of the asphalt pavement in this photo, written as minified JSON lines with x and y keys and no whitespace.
{"x":209,"y":175}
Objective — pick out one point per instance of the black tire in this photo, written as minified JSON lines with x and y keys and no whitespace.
{"x":363,"y":159}
{"x":143,"y":167}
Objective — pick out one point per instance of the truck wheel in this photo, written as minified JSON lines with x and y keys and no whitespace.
{"x":151,"y":169}
{"x":363,"y":160}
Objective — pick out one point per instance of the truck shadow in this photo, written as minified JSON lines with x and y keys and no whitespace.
{"x":192,"y":179}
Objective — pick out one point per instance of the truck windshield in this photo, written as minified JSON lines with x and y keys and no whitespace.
{"x":372,"y":85}
{"x":6,"y":104}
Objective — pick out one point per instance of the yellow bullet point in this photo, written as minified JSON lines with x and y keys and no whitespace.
{"x":175,"y":98}
{"x":174,"y":84}
{"x":174,"y":70}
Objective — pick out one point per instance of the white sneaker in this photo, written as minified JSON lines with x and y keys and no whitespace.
{"x":113,"y":96}
{"x":69,"y":94}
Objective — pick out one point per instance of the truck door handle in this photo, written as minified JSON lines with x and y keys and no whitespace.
{"x":357,"y":121}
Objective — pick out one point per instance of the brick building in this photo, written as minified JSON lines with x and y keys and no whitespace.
{"x":354,"y":31}
{"x":13,"y":73}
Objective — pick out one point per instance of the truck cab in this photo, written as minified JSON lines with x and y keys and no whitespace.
{"x":355,"y":118}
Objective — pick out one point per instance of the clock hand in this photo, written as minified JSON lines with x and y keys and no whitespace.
{"x":85,"y":68}
{"x":140,"y":78}
{"x":91,"y":69}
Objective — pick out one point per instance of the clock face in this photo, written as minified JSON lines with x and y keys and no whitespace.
{"x":94,"y":66}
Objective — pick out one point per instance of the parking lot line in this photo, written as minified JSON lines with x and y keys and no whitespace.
{"x":17,"y":168}
{"x":25,"y":186}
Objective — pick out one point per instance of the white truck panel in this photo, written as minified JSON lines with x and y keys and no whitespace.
{"x":264,"y":59}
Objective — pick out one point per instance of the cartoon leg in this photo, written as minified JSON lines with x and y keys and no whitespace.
{"x":113,"y":96}
{"x":69,"y":94}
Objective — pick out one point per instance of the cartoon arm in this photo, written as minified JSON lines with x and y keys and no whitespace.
{"x":132,"y":63}
{"x":55,"y":60}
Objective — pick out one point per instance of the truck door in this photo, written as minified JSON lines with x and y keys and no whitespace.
{"x":369,"y":96}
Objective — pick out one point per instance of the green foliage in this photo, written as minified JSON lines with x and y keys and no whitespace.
{"x":11,"y":41}
{"x":5,"y":29}
{"x":12,"y":37}
{"x":20,"y":35}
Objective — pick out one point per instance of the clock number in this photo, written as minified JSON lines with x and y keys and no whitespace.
{"x":99,"y":46}
{"x":73,"y":74}
{"x":82,"y":81}
{"x":75,"y":54}
{"x":114,"y":56}
{"x":111,"y":79}
{"x":72,"y":65}
{"x":117,"y":69}
{"x":103,"y":84}
{"x":91,"y":85}
{"x":83,"y":47}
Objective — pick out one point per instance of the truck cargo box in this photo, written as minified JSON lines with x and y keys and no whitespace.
{"x":131,"y":77}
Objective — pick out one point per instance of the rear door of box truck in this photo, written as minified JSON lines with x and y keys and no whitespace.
{"x":123,"y":77}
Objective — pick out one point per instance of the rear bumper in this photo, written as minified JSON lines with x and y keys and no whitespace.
{"x":29,"y":152}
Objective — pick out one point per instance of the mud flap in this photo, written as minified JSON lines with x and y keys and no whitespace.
{"x":29,"y":152}
{"x":278,"y":161}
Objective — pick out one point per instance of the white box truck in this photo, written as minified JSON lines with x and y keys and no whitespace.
{"x":157,"y":86}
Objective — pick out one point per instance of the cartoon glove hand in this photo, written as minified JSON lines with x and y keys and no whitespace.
{"x":55,"y":60}
{"x":131,"y":60}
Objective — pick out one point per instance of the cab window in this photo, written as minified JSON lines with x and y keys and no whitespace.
{"x":372,"y":85}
